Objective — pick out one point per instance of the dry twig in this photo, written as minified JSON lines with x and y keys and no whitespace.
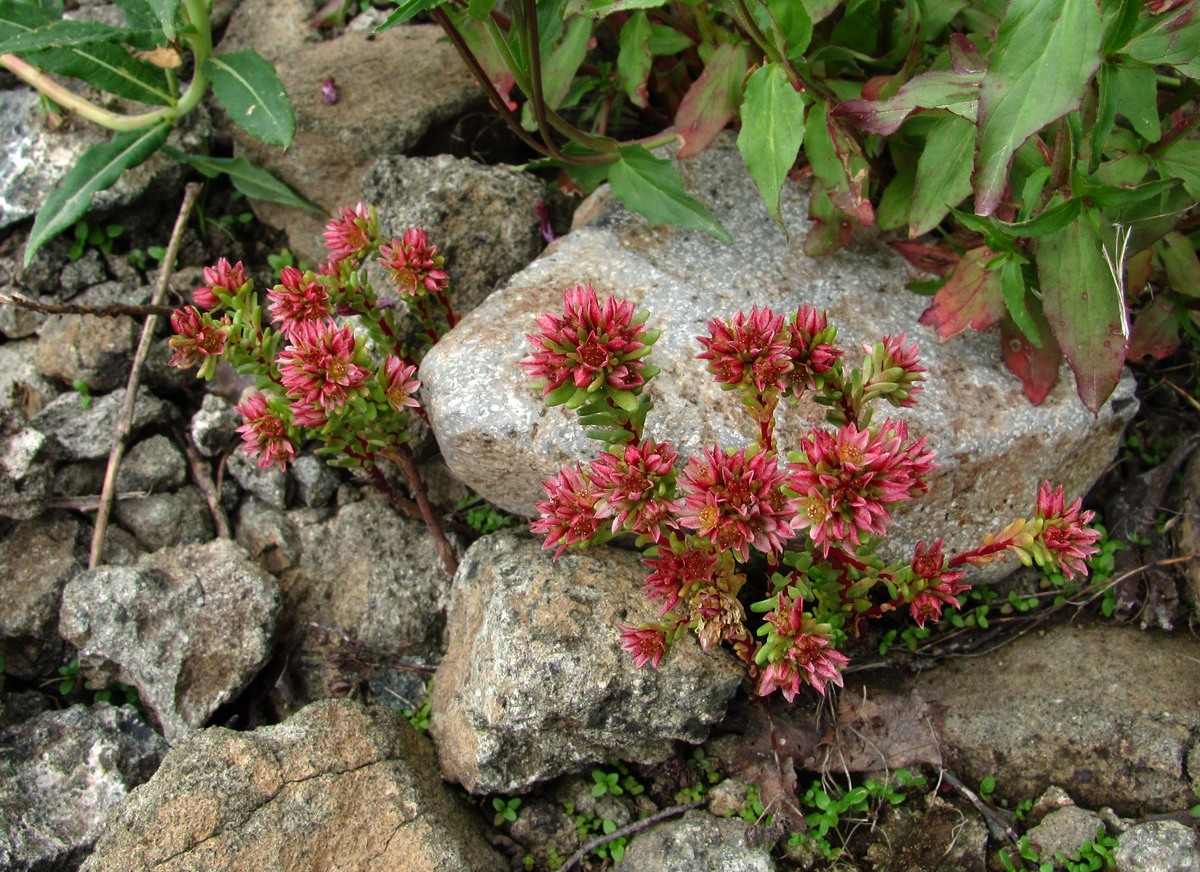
{"x":627,"y":830}
{"x":211,"y":491}
{"x":113,"y":310}
{"x":125,"y":422}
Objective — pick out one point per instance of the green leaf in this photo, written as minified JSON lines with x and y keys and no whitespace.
{"x":1180,"y":261}
{"x":838,"y":161}
{"x":166,"y":11}
{"x":667,"y":40}
{"x":1136,"y":89}
{"x":1106,"y":112}
{"x":971,"y":297}
{"x":601,"y":8}
{"x":97,"y":169}
{"x":790,"y":23}
{"x":772,"y":130}
{"x":941,"y":89}
{"x":558,"y":70}
{"x":633,"y":59}
{"x":1170,"y":39}
{"x":110,"y":68}
{"x":246,"y":177}
{"x":892,"y":213}
{"x":1120,"y":21}
{"x":712,"y":100}
{"x":1012,"y":285}
{"x":406,"y":10}
{"x":1181,"y":160}
{"x":250,"y":91}
{"x":1084,"y":308}
{"x":943,"y":173}
{"x":1045,"y":53}
{"x":16,"y":38}
{"x":651,"y":187}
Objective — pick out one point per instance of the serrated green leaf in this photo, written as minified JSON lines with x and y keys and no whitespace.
{"x":651,"y":187}
{"x":633,"y":58}
{"x":246,"y":177}
{"x":712,"y":100}
{"x":1084,"y":308}
{"x":166,"y":12}
{"x":406,"y":10}
{"x":250,"y":91}
{"x":97,"y":169}
{"x":1045,"y":53}
{"x":110,"y":68}
{"x":943,"y":173}
{"x":771,"y":134}
{"x":601,"y":8}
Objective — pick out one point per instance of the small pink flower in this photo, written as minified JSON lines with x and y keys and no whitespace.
{"x":718,"y":616}
{"x":808,"y":659}
{"x":645,"y":645}
{"x":264,"y":434}
{"x":221,"y":277}
{"x":748,"y":349}
{"x":569,"y":516}
{"x":400,"y":383}
{"x":297,"y":300}
{"x":810,"y":348}
{"x":940,"y":586}
{"x":317,"y":369}
{"x":736,"y":501}
{"x":414,"y":264}
{"x":351,"y":233}
{"x":627,"y":486}
{"x":593,"y":344}
{"x":196,"y":338}
{"x":1065,"y":533}
{"x":676,"y":571}
{"x":845,"y":482}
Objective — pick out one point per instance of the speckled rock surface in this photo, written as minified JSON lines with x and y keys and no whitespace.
{"x":1108,"y":711}
{"x":338,"y":786}
{"x":697,"y":842}
{"x":535,"y":683}
{"x":993,"y":447}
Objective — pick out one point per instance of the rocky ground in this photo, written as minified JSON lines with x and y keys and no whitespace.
{"x":243,"y":681}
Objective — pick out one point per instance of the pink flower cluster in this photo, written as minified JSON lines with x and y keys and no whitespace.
{"x":414,"y":264}
{"x":592,"y":345}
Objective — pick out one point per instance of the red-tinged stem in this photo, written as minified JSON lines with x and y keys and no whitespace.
{"x":984,"y":551}
{"x":451,"y":318}
{"x":403,"y":457}
{"x":1177,"y":132}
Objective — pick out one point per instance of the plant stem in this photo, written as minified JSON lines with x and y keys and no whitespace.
{"x":403,"y":458}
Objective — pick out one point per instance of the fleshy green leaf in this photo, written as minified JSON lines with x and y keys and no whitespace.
{"x":712,"y":100}
{"x":772,"y":130}
{"x":110,"y":68}
{"x":97,"y":169}
{"x":250,"y":91}
{"x":1084,"y":308}
{"x":943,"y":173}
{"x":939,"y":89}
{"x":165,"y":11}
{"x":971,"y":297}
{"x":246,"y":177}
{"x":651,"y":187}
{"x":406,"y":10}
{"x":1045,"y":53}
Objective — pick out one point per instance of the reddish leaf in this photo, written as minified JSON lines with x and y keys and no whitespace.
{"x":939,"y":89}
{"x":922,"y":255}
{"x":1155,"y":331}
{"x":1083,"y":307}
{"x":829,"y":230}
{"x":713,"y":99}
{"x":972,"y":297}
{"x":837,"y":160}
{"x":1037,"y":368}
{"x":965,"y":56}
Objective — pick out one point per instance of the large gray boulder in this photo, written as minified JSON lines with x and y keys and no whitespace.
{"x":338,"y":786}
{"x":994,"y":448}
{"x":188,"y":626}
{"x":535,"y":684}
